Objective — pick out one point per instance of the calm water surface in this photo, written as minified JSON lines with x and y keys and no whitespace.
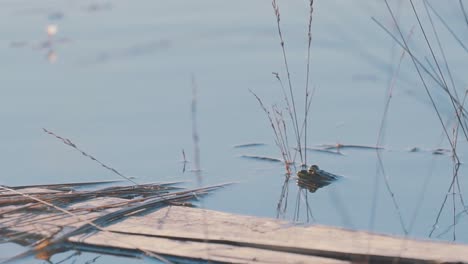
{"x":117,"y":82}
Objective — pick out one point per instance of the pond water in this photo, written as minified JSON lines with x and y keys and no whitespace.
{"x":116,"y":79}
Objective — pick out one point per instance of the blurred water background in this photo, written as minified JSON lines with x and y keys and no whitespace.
{"x":116,"y":79}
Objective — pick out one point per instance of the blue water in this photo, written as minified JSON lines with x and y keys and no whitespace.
{"x":120,"y":88}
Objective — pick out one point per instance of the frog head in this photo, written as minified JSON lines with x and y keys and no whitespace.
{"x":313,"y":169}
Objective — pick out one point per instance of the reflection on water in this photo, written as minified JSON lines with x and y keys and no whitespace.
{"x":49,"y":45}
{"x":308,"y":181}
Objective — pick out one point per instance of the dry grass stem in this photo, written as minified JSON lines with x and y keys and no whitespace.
{"x":68,"y":142}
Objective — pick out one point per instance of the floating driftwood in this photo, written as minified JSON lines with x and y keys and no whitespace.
{"x":152,"y":225}
{"x":261,"y":158}
{"x":339,"y":146}
{"x":249,"y":145}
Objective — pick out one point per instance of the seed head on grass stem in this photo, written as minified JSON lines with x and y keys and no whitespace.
{"x":291,"y":94}
{"x":68,"y":142}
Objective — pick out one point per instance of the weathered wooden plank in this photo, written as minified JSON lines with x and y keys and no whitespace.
{"x":197,"y":225}
{"x":181,"y":249}
{"x":196,"y":234}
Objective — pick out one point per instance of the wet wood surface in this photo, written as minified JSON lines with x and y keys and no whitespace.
{"x":211,"y":235}
{"x":121,"y":223}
